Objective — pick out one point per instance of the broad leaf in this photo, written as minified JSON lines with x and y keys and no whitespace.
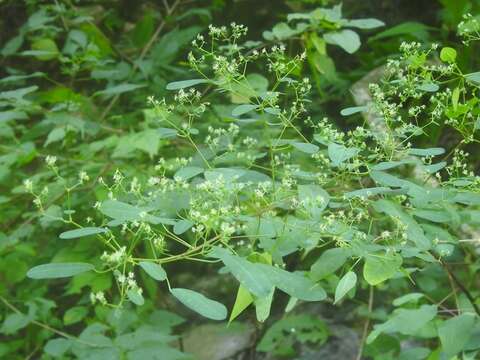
{"x":197,"y":302}
{"x":154,"y":270}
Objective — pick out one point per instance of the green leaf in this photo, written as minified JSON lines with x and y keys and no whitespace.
{"x":47,"y":48}
{"x":473,"y":77}
{"x":177,"y":85}
{"x":455,"y":333}
{"x":379,"y":268}
{"x":306,"y":147}
{"x":181,"y":226}
{"x":58,"y":270}
{"x":295,"y":284}
{"x":314,"y":199}
{"x":74,"y":315}
{"x":448,"y":54}
{"x":58,"y":347}
{"x":243,"y":109}
{"x":14,"y":322}
{"x":329,"y":262}
{"x":242,"y":301}
{"x":188,"y":172}
{"x":245,"y":272}
{"x":412,"y":297}
{"x":348,"y":40}
{"x":119,"y":89}
{"x":154,"y":270}
{"x":428,"y":87}
{"x":365,"y":23}
{"x":353,"y":110}
{"x":197,"y":302}
{"x":135,"y":296}
{"x":414,"y":231}
{"x":339,"y":153}
{"x":404,"y":321}
{"x":263,"y":306}
{"x":55,"y":135}
{"x":367,"y":192}
{"x":346,"y":283}
{"x":426,"y":152}
{"x":411,"y":28}
{"x":86,"y":231}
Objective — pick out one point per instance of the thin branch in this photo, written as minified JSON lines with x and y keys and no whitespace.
{"x":366,"y":325}
{"x":467,"y":293}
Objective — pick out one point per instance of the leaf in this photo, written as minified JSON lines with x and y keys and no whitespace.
{"x":55,"y":135}
{"x":348,"y":40}
{"x":86,"y":231}
{"x":293,"y":283}
{"x":197,"y":302}
{"x":426,"y":152}
{"x":263,"y":306}
{"x":346,"y":283}
{"x":306,"y":147}
{"x":473,"y":77}
{"x":74,"y":315}
{"x":379,"y":268}
{"x":58,"y":270}
{"x":329,"y":262}
{"x":367,"y":192}
{"x":314,"y":199}
{"x":448,"y":54}
{"x":245,"y":272}
{"x":412,"y":297}
{"x":455,"y":333}
{"x":181,"y":226}
{"x":353,"y":110}
{"x":414,"y":231}
{"x":188,"y":172}
{"x":177,"y":85}
{"x":47,"y":48}
{"x":119,"y":89}
{"x":428,"y":87}
{"x":243,"y":109}
{"x":154,"y":270}
{"x":58,"y":347}
{"x":411,"y":28}
{"x":242,"y":301}
{"x":365,"y":23}
{"x":404,"y":321}
{"x":14,"y":322}
{"x":135,"y":296}
{"x":339,"y":153}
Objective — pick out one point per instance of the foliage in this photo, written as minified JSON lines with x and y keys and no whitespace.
{"x":129,"y":174}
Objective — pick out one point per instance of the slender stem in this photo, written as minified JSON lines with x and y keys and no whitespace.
{"x":366,"y":325}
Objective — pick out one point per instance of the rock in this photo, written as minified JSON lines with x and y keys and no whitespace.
{"x":218,"y":341}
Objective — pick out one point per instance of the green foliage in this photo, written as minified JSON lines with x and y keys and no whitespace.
{"x":128,"y":176}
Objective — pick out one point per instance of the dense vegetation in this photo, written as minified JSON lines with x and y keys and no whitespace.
{"x":236,"y":180}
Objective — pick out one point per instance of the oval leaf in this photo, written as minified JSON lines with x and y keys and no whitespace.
{"x":86,"y":231}
{"x":177,"y":85}
{"x":154,"y":270}
{"x":197,"y":302}
{"x":58,"y":270}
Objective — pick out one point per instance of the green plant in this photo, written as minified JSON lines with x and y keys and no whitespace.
{"x":117,"y":203}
